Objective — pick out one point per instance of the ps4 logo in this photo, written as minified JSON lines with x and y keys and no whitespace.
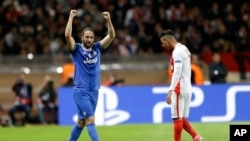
{"x":198,"y":101}
{"x":106,"y":110}
{"x":160,"y":106}
{"x":111,"y":111}
{"x":230,"y":105}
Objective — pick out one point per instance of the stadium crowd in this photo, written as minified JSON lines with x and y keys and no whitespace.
{"x":37,"y":26}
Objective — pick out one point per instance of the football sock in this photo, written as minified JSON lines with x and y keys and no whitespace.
{"x":75,"y":133}
{"x":188,"y":128}
{"x":92,"y":132}
{"x":177,"y":129}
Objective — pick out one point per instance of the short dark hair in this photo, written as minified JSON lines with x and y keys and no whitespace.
{"x":167,"y":32}
{"x":87,"y":29}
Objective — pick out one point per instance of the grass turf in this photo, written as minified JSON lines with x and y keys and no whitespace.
{"x":138,"y":132}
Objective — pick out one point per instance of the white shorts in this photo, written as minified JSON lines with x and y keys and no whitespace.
{"x":180,"y":105}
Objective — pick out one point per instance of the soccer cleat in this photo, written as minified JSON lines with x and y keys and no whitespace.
{"x":198,"y":138}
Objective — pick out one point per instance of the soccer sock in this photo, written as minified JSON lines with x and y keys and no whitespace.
{"x":188,"y":127}
{"x":177,"y":129}
{"x":92,"y":132}
{"x":75,"y":133}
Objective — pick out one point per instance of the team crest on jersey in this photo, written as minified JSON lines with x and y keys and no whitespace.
{"x":89,"y":55}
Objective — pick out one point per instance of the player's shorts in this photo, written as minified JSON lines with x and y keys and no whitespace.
{"x":180,"y":105}
{"x":86,"y":102}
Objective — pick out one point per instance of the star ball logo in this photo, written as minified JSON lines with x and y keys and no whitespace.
{"x":239,"y":132}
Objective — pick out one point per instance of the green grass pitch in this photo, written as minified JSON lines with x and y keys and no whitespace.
{"x":138,"y":132}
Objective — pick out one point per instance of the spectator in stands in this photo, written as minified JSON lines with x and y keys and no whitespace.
{"x":4,"y":119}
{"x":243,"y":46}
{"x":198,"y":21}
{"x":47,"y":102}
{"x":197,"y":77}
{"x":23,"y":102}
{"x":68,"y":71}
{"x":70,"y":82}
{"x":112,"y":80}
{"x":217,"y":70}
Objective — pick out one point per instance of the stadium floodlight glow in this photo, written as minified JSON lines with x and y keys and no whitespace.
{"x":30,"y":56}
{"x":59,"y":69}
{"x":105,"y":67}
{"x":26,"y":70}
{"x":116,"y":66}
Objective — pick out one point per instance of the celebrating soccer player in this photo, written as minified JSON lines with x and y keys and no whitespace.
{"x":86,"y":57}
{"x":180,"y":90}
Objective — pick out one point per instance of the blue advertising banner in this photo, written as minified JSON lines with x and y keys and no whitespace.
{"x":146,"y":104}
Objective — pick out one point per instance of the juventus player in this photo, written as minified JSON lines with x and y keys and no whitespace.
{"x":86,"y":57}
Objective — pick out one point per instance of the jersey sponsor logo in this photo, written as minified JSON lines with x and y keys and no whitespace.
{"x":90,"y":61}
{"x":177,"y":61}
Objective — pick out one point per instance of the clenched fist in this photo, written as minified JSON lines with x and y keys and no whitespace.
{"x":106,"y":15}
{"x":73,"y":13}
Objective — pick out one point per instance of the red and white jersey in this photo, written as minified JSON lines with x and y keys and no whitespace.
{"x":181,"y":70}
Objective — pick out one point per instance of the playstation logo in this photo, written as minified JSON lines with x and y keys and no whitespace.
{"x":106,"y":110}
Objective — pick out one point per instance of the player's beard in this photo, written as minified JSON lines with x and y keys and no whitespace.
{"x":87,"y":44}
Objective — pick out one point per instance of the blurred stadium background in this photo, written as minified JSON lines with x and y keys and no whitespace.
{"x":32,"y":41}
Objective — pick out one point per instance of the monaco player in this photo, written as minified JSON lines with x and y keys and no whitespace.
{"x":86,"y":56}
{"x":179,"y":95}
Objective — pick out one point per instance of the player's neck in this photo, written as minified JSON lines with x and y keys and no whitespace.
{"x":175,"y":44}
{"x":88,"y":49}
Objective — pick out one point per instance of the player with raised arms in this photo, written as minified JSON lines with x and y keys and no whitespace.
{"x":86,"y":57}
{"x":180,"y":90}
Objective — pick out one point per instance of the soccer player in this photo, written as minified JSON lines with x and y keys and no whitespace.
{"x":180,"y":91}
{"x":86,"y":57}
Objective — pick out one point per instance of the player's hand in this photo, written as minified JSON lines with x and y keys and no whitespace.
{"x":169,"y":97}
{"x":73,"y":13}
{"x":106,"y":15}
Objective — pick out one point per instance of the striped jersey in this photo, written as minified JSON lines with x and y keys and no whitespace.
{"x":180,"y":64}
{"x":87,"y":66}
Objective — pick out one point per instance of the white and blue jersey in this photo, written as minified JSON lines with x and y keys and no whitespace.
{"x":86,"y":78}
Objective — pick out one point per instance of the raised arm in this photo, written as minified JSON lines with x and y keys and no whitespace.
{"x":106,"y":41}
{"x":68,"y":31}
